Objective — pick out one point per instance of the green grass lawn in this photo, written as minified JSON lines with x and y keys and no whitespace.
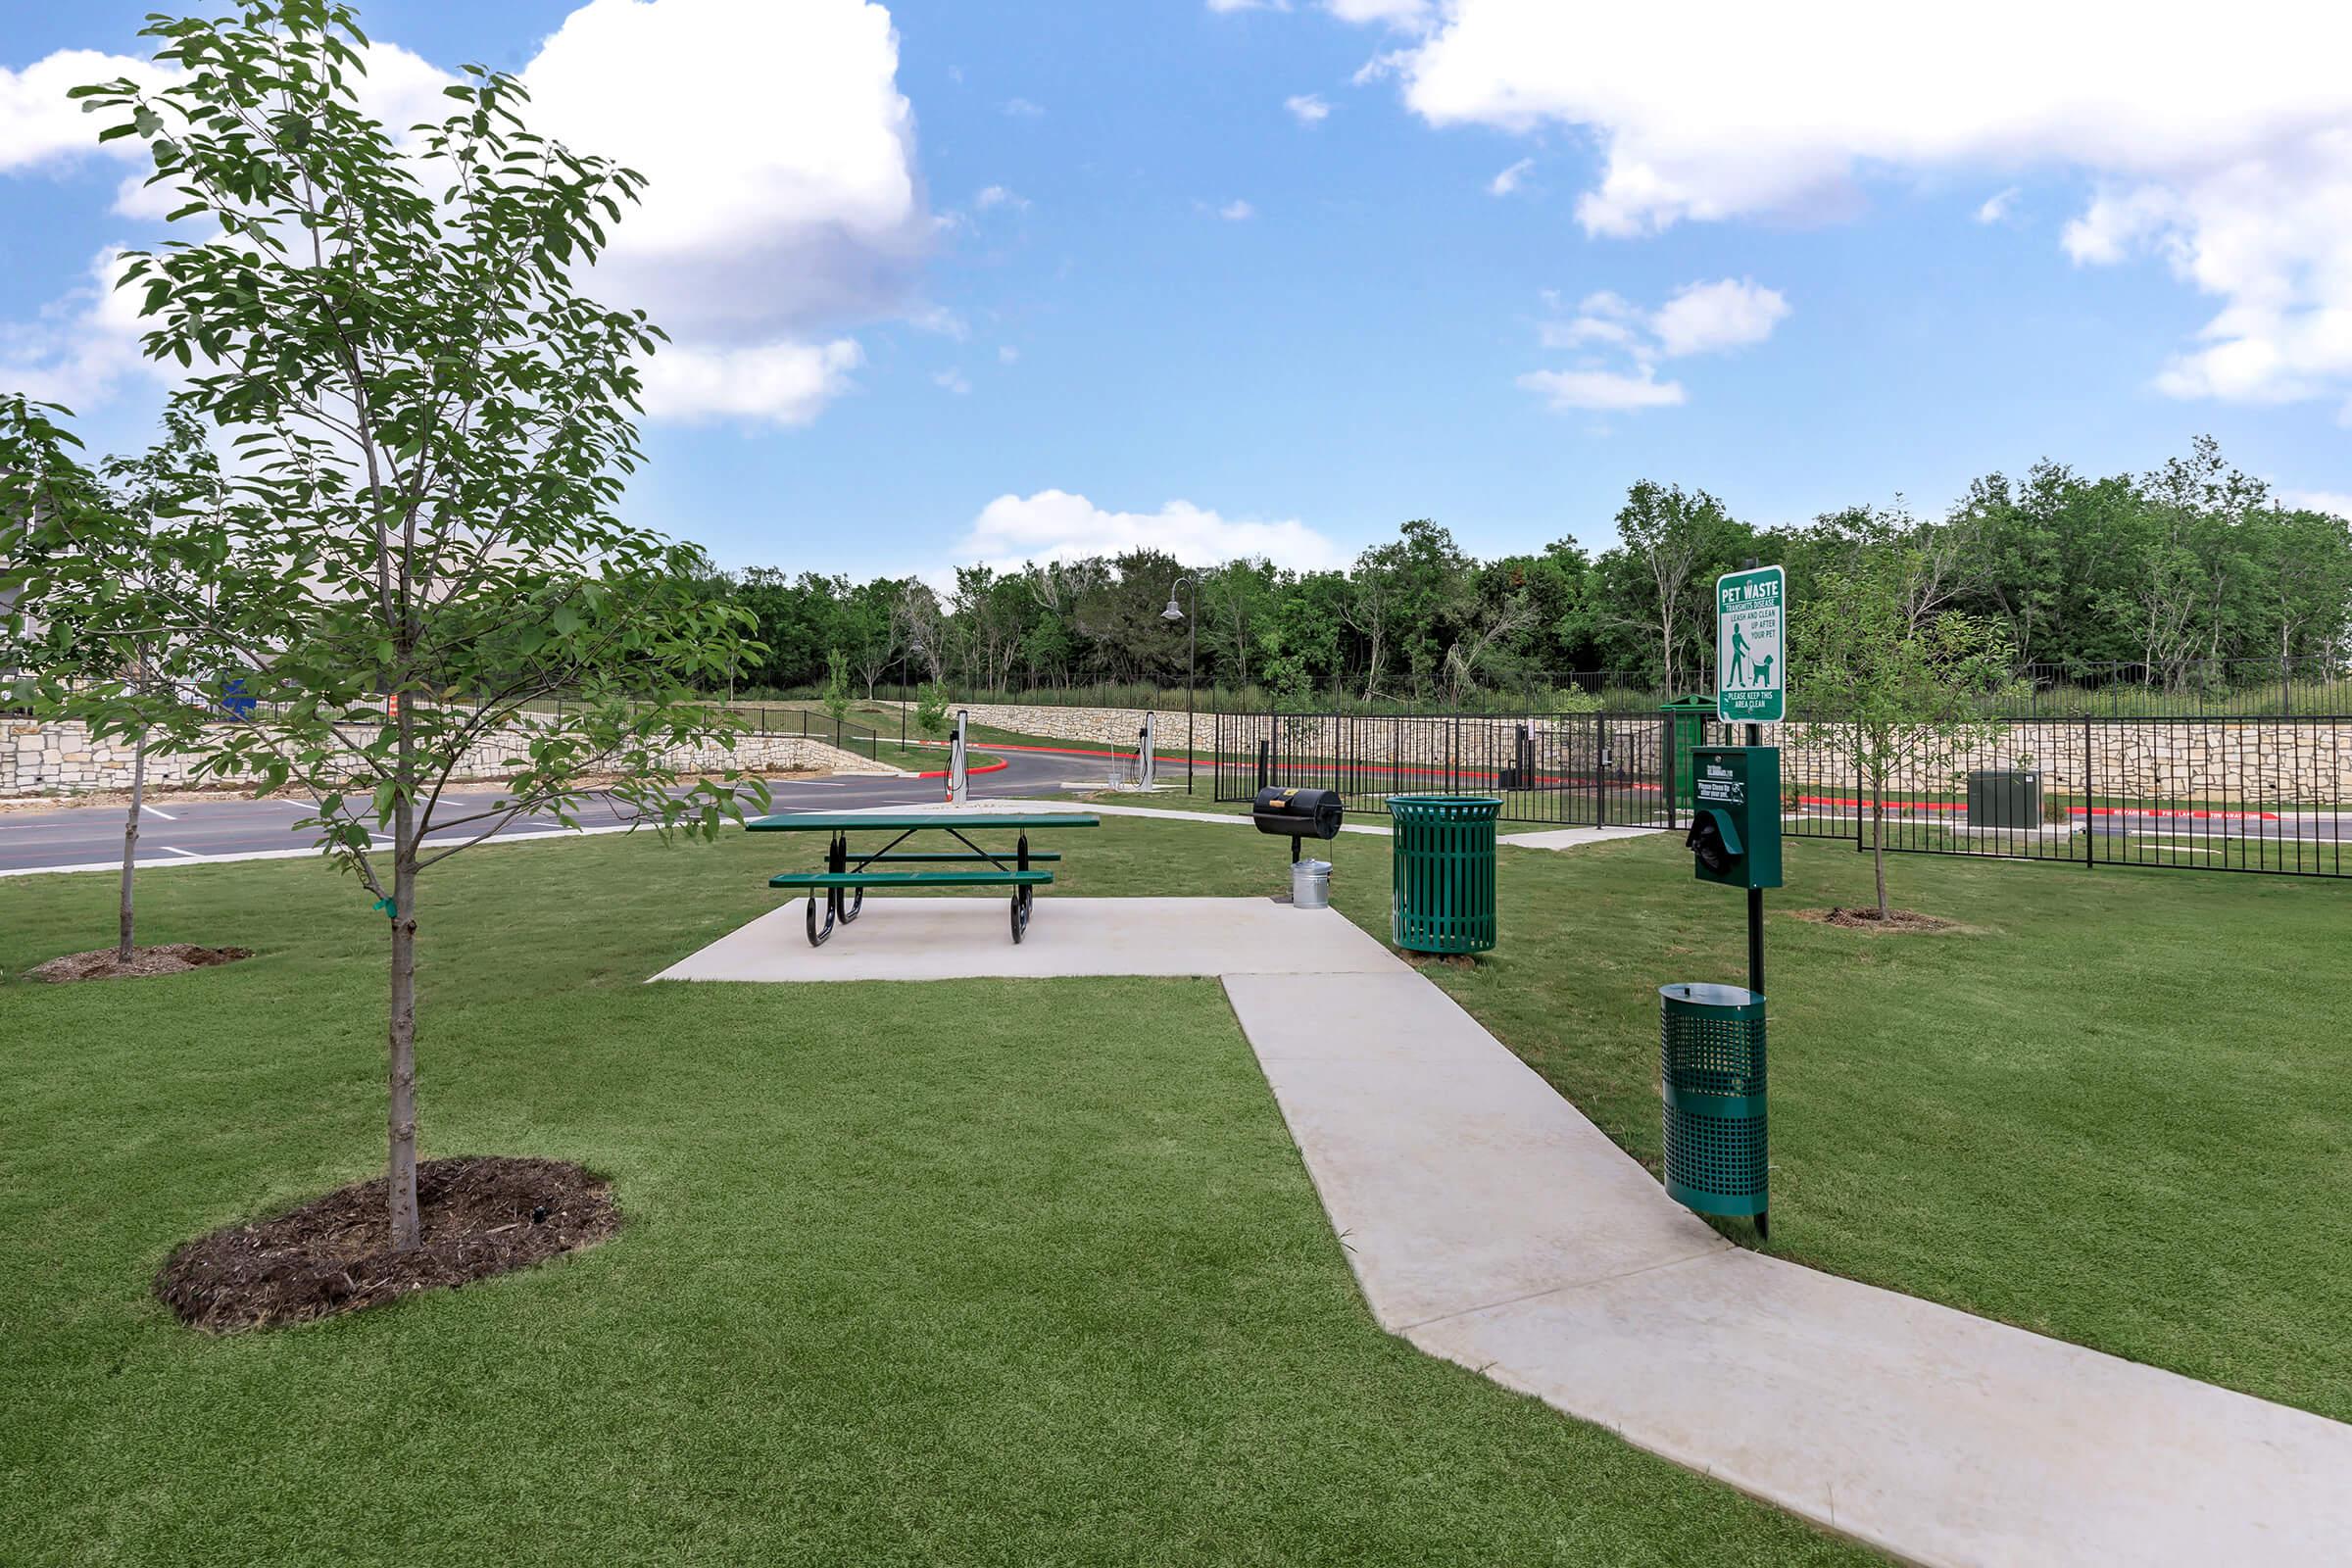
{"x":2118,"y":1111}
{"x":995,"y":1272}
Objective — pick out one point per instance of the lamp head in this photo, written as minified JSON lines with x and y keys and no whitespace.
{"x":1171,"y":613}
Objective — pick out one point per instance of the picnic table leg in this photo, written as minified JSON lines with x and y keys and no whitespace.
{"x":838,"y":859}
{"x":816,"y":938}
{"x":1021,"y":894}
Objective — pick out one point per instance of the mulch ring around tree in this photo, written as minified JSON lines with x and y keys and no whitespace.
{"x":168,"y":957}
{"x":479,"y":1216}
{"x":1898,"y":922}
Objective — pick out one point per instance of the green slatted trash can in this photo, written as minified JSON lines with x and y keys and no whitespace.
{"x":1444,"y":872}
{"x":1711,"y":1068}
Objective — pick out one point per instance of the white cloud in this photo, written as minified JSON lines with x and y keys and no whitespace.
{"x":39,"y":124}
{"x":1998,"y":206}
{"x":1507,"y":181}
{"x":1582,"y":331}
{"x":765,"y":210}
{"x":2229,"y":160}
{"x":1607,"y":390}
{"x":1236,"y":210}
{"x":83,"y":346}
{"x":1308,"y":108}
{"x":1007,"y":354}
{"x":952,"y":381}
{"x":787,"y":383}
{"x":1056,"y":526}
{"x":940,"y":320}
{"x":41,"y":127}
{"x":775,"y":213}
{"x":1410,"y":15}
{"x":1023,"y":109}
{"x":1704,"y":318}
{"x":2337,"y":502}
{"x":1697,"y":318}
{"x":992,"y":196}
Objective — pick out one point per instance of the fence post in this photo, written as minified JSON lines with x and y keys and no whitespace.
{"x":1854,"y":751}
{"x":2090,"y":819}
{"x":1261,"y":763}
{"x":1601,"y":774}
{"x":1670,"y":771}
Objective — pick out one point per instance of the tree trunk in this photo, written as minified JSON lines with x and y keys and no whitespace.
{"x":1878,"y":844}
{"x":401,"y":1111}
{"x":131,"y":843}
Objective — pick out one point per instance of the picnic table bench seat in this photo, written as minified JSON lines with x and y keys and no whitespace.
{"x":845,"y":874}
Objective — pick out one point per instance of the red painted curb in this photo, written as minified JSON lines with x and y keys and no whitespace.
{"x":985,"y":767}
{"x":1069,"y":750}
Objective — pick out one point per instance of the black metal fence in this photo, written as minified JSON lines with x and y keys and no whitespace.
{"x":2265,"y":795}
{"x":1557,"y":770}
{"x":2202,"y":794}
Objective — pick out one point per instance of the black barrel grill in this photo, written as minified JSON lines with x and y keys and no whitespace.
{"x":1298,"y":814}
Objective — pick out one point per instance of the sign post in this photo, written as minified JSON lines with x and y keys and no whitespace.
{"x":1736,"y":839}
{"x":1752,"y":688}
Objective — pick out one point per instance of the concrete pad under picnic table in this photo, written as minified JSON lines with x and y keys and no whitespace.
{"x":900,"y":938}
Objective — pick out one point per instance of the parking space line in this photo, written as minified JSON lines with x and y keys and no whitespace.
{"x":165,"y":815}
{"x":172,"y":849}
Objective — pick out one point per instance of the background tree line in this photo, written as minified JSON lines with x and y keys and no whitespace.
{"x":2174,"y":573}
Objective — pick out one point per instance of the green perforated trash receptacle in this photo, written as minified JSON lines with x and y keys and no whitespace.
{"x":1444,"y":872}
{"x":1711,"y":1067}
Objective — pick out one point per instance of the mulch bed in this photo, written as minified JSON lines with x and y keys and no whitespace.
{"x":168,"y":958}
{"x":1898,"y":922}
{"x":480,"y":1216}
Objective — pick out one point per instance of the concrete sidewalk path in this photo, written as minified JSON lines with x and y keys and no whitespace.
{"x":1489,"y":1223}
{"x":901,"y":937}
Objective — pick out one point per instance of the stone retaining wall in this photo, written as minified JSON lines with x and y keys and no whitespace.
{"x":1100,"y":726}
{"x":39,"y":757}
{"x":2222,"y":760}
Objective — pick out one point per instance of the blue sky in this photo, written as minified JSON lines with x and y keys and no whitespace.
{"x":1111,"y":252}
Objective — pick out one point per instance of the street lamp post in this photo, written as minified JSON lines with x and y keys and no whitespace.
{"x":1192,"y":648}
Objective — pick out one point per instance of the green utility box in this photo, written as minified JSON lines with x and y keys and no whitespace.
{"x":1687,"y":718}
{"x":1444,"y":872}
{"x":1711,"y":1073}
{"x":1734,"y":836}
{"x":2004,"y":800}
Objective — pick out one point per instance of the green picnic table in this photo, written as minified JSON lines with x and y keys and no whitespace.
{"x":848,"y":873}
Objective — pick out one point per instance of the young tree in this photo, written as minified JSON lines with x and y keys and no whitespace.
{"x":432,"y":426}
{"x":1673,"y":545}
{"x":133,"y":664}
{"x":873,"y":627}
{"x":931,"y":710}
{"x":837,"y":686}
{"x":89,"y":654}
{"x":1234,"y":598}
{"x":1902,"y":695}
